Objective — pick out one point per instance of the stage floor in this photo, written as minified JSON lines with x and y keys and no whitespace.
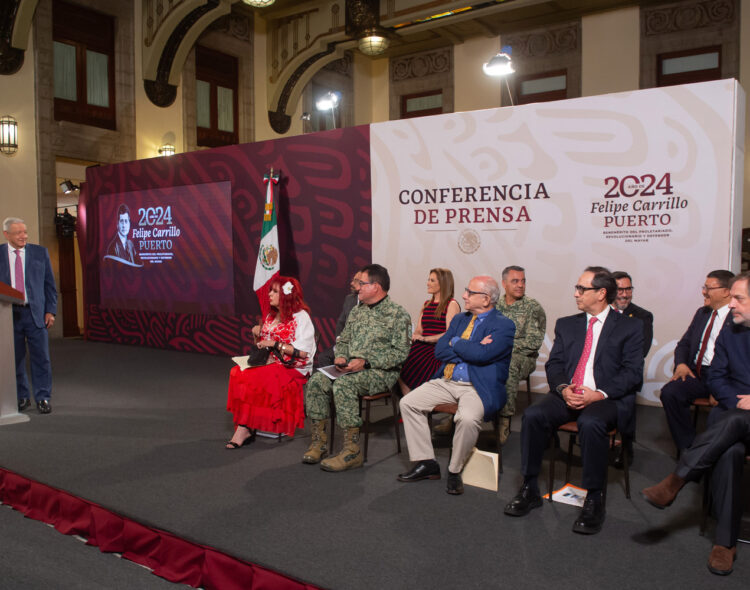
{"x":141,"y":432}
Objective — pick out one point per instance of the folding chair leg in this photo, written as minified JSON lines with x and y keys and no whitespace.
{"x":367,"y":427}
{"x":551,"y":481}
{"x":571,"y":442}
{"x":396,"y":415}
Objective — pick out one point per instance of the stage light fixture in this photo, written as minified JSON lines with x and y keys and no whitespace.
{"x":373,"y":42}
{"x":500,"y":65}
{"x":328,"y":102}
{"x":8,"y":135}
{"x":68,"y":187}
{"x":166,"y":150}
{"x":259,"y":3}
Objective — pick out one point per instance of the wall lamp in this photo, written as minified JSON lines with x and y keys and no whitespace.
{"x":8,"y":135}
{"x":166,"y":150}
{"x":68,"y":187}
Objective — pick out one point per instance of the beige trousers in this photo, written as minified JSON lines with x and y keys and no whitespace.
{"x":416,"y":405}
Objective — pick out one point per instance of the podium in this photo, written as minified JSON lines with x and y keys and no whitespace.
{"x":9,"y":413}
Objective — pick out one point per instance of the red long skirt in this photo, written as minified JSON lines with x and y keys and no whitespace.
{"x":269,"y":398}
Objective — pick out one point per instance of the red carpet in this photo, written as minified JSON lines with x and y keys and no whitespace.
{"x":168,"y":556}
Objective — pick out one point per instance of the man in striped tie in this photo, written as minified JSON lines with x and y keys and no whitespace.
{"x":596,"y":362}
{"x":476,"y":351}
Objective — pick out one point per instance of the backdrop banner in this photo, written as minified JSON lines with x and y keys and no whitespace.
{"x":649,"y":182}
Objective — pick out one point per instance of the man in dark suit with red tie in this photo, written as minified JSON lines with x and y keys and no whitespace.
{"x":26,"y":267}
{"x":595,"y":364}
{"x":692,"y":358}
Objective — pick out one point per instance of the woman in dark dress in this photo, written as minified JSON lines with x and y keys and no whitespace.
{"x":437,"y":313}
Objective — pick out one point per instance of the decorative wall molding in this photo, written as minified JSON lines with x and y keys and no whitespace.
{"x":541,"y":43}
{"x":343,"y":66}
{"x":235,"y":25}
{"x":688,"y":16}
{"x":420,"y":65}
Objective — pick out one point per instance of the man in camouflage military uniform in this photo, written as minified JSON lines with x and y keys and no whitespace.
{"x":531,"y":322}
{"x":370,"y":351}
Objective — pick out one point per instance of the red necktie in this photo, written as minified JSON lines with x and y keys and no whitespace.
{"x":704,"y":344}
{"x":588,"y":343}
{"x":19,"y":273}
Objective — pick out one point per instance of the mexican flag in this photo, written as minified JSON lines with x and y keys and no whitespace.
{"x":267,"y":265}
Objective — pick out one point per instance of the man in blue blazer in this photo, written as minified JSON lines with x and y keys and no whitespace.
{"x":693,"y":358}
{"x":476,"y":351}
{"x":32,"y":275}
{"x":595,"y":365}
{"x":719,"y":452}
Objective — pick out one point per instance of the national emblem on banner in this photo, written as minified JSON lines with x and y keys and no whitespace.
{"x":268,"y":262}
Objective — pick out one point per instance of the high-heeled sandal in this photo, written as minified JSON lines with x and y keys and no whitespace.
{"x":235,"y":445}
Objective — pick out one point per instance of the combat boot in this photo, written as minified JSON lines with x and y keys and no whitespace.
{"x":319,"y":445}
{"x":349,"y":457}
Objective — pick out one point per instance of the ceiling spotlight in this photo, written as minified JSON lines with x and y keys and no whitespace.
{"x":68,"y":187}
{"x":499,"y":65}
{"x":259,"y":3}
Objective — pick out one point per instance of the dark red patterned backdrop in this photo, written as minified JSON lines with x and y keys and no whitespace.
{"x":324,"y":232}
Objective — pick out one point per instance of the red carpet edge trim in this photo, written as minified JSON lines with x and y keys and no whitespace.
{"x":167,"y":555}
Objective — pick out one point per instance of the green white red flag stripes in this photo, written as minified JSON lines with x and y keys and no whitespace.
{"x":268,"y":262}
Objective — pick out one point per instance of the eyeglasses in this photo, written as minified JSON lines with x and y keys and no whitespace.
{"x":363,"y":283}
{"x":470,"y":292}
{"x":707,"y":288}
{"x":580,"y":289}
{"x":624,"y":289}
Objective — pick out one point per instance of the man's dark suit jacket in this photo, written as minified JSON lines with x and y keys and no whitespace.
{"x":687,"y":348}
{"x":487,"y":363}
{"x":350,"y":301}
{"x":730,"y":369}
{"x":38,"y":279}
{"x":634,"y":311}
{"x":618,"y":362}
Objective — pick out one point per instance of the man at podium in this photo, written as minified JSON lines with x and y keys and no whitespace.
{"x":26,"y":267}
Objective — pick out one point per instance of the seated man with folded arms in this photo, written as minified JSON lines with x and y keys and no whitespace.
{"x":719,"y":452}
{"x":475,"y":352}
{"x":596,"y":362}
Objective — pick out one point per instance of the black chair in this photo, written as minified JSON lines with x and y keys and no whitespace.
{"x":572,"y":429}
{"x":367,"y":425}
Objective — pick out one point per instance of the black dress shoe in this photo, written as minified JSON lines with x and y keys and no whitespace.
{"x":524,"y":502}
{"x":591,"y":518}
{"x":619,"y":462}
{"x":455,"y":484}
{"x":429,"y":469}
{"x":23,"y":404}
{"x":44,"y":406}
